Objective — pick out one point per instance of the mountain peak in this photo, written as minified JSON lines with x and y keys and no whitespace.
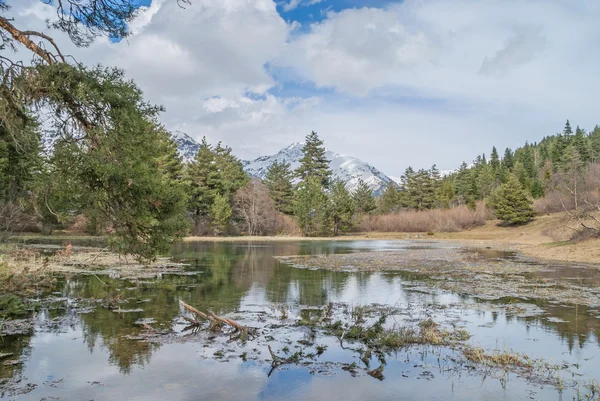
{"x":346,"y":168}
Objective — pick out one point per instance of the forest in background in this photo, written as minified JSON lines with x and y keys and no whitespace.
{"x":114,"y":169}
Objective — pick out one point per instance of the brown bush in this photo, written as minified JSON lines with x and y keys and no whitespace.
{"x":286,"y":225}
{"x":437,"y":220}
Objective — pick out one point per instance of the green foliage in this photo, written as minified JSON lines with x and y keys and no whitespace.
{"x":278,"y":180}
{"x":313,"y":163}
{"x":390,"y":199}
{"x":510,"y":202}
{"x":116,"y":169}
{"x":445,"y":194}
{"x":363,"y":198}
{"x":494,"y":161}
{"x":12,"y":306}
{"x":595,"y":144}
{"x":19,"y":162}
{"x":215,"y":172}
{"x":312,"y":208}
{"x":220,"y":213}
{"x":342,"y":207}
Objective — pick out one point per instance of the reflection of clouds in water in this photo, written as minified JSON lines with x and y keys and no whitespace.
{"x":177,"y":372}
{"x":180,"y":371}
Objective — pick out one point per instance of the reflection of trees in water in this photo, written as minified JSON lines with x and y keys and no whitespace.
{"x":579,"y":325}
{"x":108,"y":328}
{"x":20,"y":348}
{"x":575,"y":325}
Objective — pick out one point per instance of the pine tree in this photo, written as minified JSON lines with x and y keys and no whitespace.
{"x":214,"y":172}
{"x":567,"y":131}
{"x":312,"y":208}
{"x":363,"y":198}
{"x":230,"y":171}
{"x":422,"y":190}
{"x":557,"y":151}
{"x":464,"y":182}
{"x":495,"y":161}
{"x":202,"y":178}
{"x":445,"y":194}
{"x":511,"y":204}
{"x":595,"y":144}
{"x":278,"y":180}
{"x":220,"y":213}
{"x":486,"y":181}
{"x":313,"y":163}
{"x":390,"y":199}
{"x":19,"y":162}
{"x":508,"y":160}
{"x":342,"y":207}
{"x":581,"y":143}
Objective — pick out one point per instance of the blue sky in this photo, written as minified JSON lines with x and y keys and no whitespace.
{"x":394,"y":83}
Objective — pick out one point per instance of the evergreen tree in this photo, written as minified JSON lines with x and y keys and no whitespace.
{"x":390,"y":199}
{"x":486,"y":181}
{"x":278,"y":180}
{"x":495,"y":161}
{"x":313,"y":163}
{"x":595,"y":144}
{"x":508,"y":160}
{"x":407,"y":189}
{"x":422,"y":190}
{"x":511,"y":204}
{"x":464,"y":182}
{"x":342,"y":207}
{"x":557,"y":151}
{"x":537,"y":189}
{"x":567,"y":131}
{"x":116,"y":171}
{"x":312,"y":208}
{"x":19,"y":163}
{"x":445,"y":194}
{"x":582,"y":144}
{"x":214,"y":172}
{"x":363,"y":198}
{"x":202,"y":178}
{"x":220,"y":213}
{"x":230,"y":171}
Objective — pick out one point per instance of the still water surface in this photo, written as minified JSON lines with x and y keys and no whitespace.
{"x":86,"y":356}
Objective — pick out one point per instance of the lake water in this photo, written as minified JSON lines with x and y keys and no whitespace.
{"x":89,"y":353}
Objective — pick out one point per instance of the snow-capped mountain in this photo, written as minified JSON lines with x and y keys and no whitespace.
{"x":346,"y":168}
{"x":186,"y":145}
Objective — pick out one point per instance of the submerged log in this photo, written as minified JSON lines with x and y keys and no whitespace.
{"x":195,"y":311}
{"x":216,"y":321}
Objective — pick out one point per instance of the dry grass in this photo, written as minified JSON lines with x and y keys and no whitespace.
{"x":438,"y":220}
{"x":498,"y":358}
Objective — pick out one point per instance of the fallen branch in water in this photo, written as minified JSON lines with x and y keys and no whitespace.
{"x":216,"y":321}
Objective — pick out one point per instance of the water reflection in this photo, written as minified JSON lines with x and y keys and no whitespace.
{"x":96,"y":358}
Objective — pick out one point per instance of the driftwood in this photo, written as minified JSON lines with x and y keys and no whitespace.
{"x":216,"y":321}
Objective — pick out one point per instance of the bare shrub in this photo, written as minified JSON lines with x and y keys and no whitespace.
{"x":437,"y":220}
{"x":256,"y":209}
{"x":286,"y":225}
{"x":14,"y":219}
{"x":578,"y":191}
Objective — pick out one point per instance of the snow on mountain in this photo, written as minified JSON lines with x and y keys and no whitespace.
{"x":346,"y":168}
{"x":186,"y":146}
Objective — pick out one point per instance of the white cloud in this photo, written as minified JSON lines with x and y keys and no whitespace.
{"x":413,"y":82}
{"x":293,"y":4}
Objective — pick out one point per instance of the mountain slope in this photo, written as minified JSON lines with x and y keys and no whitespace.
{"x":346,"y":168}
{"x":186,"y":145}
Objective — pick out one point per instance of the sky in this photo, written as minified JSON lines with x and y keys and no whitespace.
{"x":394,"y":83}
